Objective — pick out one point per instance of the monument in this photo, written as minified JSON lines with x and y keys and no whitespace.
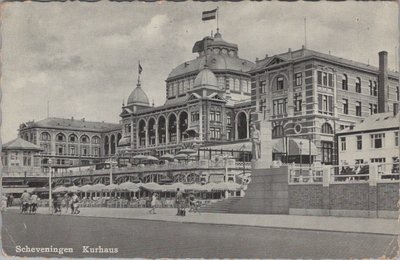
{"x":261,"y":139}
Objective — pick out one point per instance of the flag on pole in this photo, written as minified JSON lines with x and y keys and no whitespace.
{"x":140,"y":68}
{"x":209,"y":15}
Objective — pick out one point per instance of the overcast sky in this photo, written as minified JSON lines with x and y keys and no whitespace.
{"x":83,"y":57}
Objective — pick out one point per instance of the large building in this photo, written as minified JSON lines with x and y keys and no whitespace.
{"x":207,"y":102}
{"x":311,"y":95}
{"x":72,"y":142}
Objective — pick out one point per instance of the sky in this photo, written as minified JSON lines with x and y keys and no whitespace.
{"x":83,"y":57}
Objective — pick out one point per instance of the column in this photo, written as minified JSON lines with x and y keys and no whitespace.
{"x":236,"y":126}
{"x":167,"y":130}
{"x":156,"y":133}
{"x":177,"y":131}
{"x":248,"y":125}
{"x":201,"y":120}
{"x":146,"y":135}
{"x":131,"y":134}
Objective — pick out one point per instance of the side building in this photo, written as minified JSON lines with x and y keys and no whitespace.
{"x":311,"y":95}
{"x":72,"y":142}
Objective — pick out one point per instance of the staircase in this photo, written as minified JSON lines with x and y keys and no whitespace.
{"x":222,"y":206}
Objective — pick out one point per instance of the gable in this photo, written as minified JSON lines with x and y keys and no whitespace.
{"x":216,"y":96}
{"x":194,"y":96}
{"x":274,"y":61}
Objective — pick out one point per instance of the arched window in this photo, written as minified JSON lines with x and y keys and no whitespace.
{"x":358,"y":85}
{"x":106,"y":144}
{"x":326,"y":129}
{"x":345,"y":82}
{"x":45,"y":136}
{"x":72,"y":138}
{"x":242,"y":126}
{"x":277,"y":131}
{"x":95,"y":139}
{"x":85,"y":139}
{"x":371,"y":88}
{"x":60,"y":137}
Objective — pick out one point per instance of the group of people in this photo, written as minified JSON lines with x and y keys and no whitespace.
{"x":181,"y":203}
{"x":66,"y":202}
{"x":29,"y":203}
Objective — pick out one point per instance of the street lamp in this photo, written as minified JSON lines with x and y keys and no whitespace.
{"x":301,"y":156}
{"x":50,"y":195}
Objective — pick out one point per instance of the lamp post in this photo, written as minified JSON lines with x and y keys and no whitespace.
{"x":50,"y":195}
{"x":301,"y":157}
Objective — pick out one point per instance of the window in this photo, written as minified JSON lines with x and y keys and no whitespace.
{"x":298,"y":79}
{"x":319,"y":77}
{"x":396,"y":138}
{"x":297,"y":102}
{"x":228,"y":134}
{"x":27,"y":159}
{"x":277,"y":131}
{"x":218,"y":116}
{"x":73,"y":138}
{"x":377,"y":140}
{"x":358,"y":85}
{"x":85,"y":139}
{"x":212,"y":116}
{"x":195,"y":116}
{"x":358,"y":108}
{"x":45,"y":136}
{"x":330,"y":79}
{"x":96,"y":151}
{"x":263,"y":104}
{"x":237,"y":85}
{"x":375,"y":108}
{"x":343,"y":143}
{"x":217,"y":133}
{"x":325,"y":104}
{"x":279,"y":106}
{"x":72,"y":150}
{"x":371,"y":88}
{"x":345,"y":106}
{"x":96,"y":139}
{"x":371,"y":109}
{"x":397,"y":93}
{"x":228,"y":119}
{"x":279,"y":83}
{"x":378,"y":160}
{"x":60,"y":138}
{"x":345,"y":82}
{"x":263,"y":86}
{"x":212,"y":133}
{"x":325,"y":78}
{"x":359,"y":142}
{"x":327,"y":152}
{"x":375,"y":89}
{"x":359,"y":161}
{"x":326,"y":129}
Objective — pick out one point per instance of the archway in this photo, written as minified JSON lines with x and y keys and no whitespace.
{"x":161,"y":130}
{"x":172,"y":128}
{"x":113,"y":144}
{"x":242,"y":126}
{"x":106,"y":145}
{"x":142,"y":133}
{"x":151,"y":128}
{"x":183,"y":123}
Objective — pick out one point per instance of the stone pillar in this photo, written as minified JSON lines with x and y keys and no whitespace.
{"x":131,"y":134}
{"x":372,"y":192}
{"x":265,"y":160}
{"x":146,"y":135}
{"x":201,"y":121}
{"x":177,"y":130}
{"x":166,"y":130}
{"x":326,"y":179}
{"x":156,"y":125}
{"x":248,"y":125}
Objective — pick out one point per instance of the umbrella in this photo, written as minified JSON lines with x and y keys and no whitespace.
{"x":72,"y":188}
{"x":130,"y":186}
{"x":151,"y":186}
{"x":111,"y":187}
{"x":167,"y":156}
{"x":181,"y":156}
{"x":60,"y":189}
{"x":139,"y":157}
{"x":187,"y":151}
{"x":85,"y":188}
{"x":97,"y":187}
{"x":151,"y":158}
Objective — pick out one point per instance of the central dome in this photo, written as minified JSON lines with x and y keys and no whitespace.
{"x":138,"y":97}
{"x":205,"y":78}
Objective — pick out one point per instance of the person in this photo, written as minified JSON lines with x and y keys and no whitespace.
{"x":192,"y":203}
{"x":75,"y":205}
{"x":57,"y":204}
{"x":256,"y":142}
{"x":11,"y":200}
{"x":178,"y":201}
{"x":4,"y":201}
{"x":25,"y":199}
{"x":153,"y":203}
{"x":33,"y":204}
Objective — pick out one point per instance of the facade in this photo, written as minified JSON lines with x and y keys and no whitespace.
{"x":207,"y":102}
{"x":374,"y":140}
{"x":311,"y":95}
{"x":72,"y":142}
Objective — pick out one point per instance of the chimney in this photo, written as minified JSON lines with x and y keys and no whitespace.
{"x":383,"y":90}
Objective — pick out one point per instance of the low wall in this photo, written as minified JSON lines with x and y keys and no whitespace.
{"x":361,"y":199}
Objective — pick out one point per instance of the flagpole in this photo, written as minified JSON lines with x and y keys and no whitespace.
{"x":217,"y":19}
{"x":139,"y":72}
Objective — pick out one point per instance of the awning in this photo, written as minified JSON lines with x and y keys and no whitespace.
{"x":295,"y":146}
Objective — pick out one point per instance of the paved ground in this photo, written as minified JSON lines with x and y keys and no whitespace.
{"x":155,"y":239}
{"x":343,"y":224}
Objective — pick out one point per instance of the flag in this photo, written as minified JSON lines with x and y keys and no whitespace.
{"x":209,"y":15}
{"x":140,"y":68}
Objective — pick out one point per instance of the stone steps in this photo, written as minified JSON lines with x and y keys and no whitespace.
{"x":222,"y":206}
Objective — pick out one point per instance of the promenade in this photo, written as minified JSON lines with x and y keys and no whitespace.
{"x":314,"y":223}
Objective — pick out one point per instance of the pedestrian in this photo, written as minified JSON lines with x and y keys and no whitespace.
{"x":25,"y":200}
{"x":3,"y":204}
{"x":34,"y":203}
{"x":153,"y":203}
{"x":178,"y":201}
{"x":75,"y":205}
{"x":11,"y":200}
{"x":67,"y":201}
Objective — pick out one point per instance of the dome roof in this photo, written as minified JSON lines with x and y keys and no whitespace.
{"x":138,"y":97}
{"x":205,"y":78}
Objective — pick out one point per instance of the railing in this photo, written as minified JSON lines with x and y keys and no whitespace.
{"x":202,"y":164}
{"x":20,"y":171}
{"x":361,"y":173}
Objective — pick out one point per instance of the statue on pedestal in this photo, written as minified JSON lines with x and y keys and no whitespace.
{"x":256,"y":142}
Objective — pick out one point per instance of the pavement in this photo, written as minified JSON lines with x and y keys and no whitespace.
{"x":314,"y":223}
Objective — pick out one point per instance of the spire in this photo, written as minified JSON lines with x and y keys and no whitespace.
{"x":153,"y":102}
{"x":123,"y":102}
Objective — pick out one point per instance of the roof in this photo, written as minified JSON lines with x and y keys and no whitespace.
{"x":21,"y":144}
{"x":205,"y":78}
{"x":66,"y":123}
{"x":377,"y":122}
{"x":304,"y":53}
{"x":215,"y":62}
{"x":138,"y":97}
